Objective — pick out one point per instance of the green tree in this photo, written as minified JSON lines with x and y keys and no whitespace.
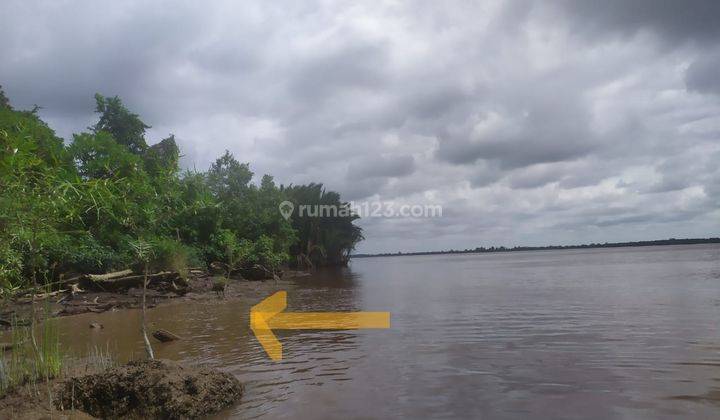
{"x":323,"y":238}
{"x":228,"y":179}
{"x":4,"y":101}
{"x":126,"y":127}
{"x":81,"y":207}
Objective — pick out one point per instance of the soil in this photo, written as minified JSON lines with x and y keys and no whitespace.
{"x":150,"y":389}
{"x":32,"y":403}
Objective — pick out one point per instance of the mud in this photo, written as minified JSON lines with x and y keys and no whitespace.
{"x":150,"y":389}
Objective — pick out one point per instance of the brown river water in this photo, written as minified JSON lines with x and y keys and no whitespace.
{"x":601,"y":333}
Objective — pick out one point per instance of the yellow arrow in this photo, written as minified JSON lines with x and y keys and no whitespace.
{"x":268,"y":315}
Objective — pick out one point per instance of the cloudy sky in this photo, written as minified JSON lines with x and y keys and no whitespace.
{"x":529,"y":122}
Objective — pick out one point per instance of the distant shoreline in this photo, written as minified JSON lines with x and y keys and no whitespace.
{"x":480,"y":250}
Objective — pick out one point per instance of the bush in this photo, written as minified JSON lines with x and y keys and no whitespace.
{"x":84,"y":254}
{"x":237,"y":254}
{"x":172,"y":255}
{"x":265,"y":254}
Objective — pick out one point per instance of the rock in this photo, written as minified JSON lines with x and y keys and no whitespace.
{"x":96,"y":325}
{"x":151,"y":389}
{"x":165,"y":336}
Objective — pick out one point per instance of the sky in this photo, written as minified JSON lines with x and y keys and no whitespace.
{"x":530,"y":123}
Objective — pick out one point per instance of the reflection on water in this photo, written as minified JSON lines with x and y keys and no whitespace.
{"x":607,"y":333}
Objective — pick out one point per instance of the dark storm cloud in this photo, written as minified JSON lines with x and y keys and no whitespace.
{"x":674,"y":21}
{"x":530,"y":122}
{"x":702,"y":75}
{"x":546,"y":126}
{"x":349,"y":67}
{"x":61,"y":62}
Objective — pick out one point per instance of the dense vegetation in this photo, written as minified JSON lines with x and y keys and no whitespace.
{"x":82,"y":206}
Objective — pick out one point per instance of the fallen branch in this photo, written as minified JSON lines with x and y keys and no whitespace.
{"x":109,"y":276}
{"x":41,"y":296}
{"x":115,"y":284}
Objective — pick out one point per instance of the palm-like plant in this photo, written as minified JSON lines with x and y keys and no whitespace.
{"x":323,"y":239}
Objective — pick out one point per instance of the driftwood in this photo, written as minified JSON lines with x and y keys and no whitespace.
{"x":123,"y":283}
{"x":73,"y":282}
{"x":41,"y":296}
{"x":164,"y":336}
{"x":109,"y":276}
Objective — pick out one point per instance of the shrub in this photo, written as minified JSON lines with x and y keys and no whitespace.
{"x":172,"y":255}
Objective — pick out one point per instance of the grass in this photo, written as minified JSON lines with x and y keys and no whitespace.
{"x":99,"y":359}
{"x":35,"y":356}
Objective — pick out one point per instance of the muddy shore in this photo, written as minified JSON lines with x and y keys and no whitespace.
{"x":199,"y":286}
{"x":40,"y":400}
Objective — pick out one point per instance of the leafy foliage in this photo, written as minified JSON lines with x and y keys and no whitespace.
{"x":81,"y":207}
{"x":126,"y":127}
{"x":323,"y":239}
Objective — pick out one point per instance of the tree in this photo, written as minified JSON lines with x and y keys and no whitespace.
{"x":162,"y":159}
{"x":323,"y":239}
{"x":228,"y":179}
{"x":99,"y":155}
{"x":4,"y":101}
{"x":125,"y":127}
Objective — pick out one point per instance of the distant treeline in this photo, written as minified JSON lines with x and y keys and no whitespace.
{"x":671,"y":241}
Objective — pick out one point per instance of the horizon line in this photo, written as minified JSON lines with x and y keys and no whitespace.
{"x":481,"y":249}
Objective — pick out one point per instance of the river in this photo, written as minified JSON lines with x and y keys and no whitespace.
{"x":593,"y":333}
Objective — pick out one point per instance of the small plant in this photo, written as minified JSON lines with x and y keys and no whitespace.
{"x":235,"y":253}
{"x":219,"y":286}
{"x":144,"y":253}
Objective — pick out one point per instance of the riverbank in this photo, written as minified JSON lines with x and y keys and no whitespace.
{"x":198,"y":285}
{"x":40,"y":399}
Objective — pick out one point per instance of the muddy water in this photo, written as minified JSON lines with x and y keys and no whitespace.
{"x":609,"y":333}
